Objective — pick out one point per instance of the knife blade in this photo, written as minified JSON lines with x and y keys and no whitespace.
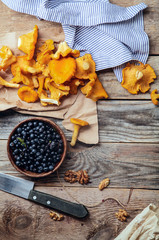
{"x":25,"y":189}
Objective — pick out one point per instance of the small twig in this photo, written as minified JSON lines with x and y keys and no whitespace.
{"x":130,"y":194}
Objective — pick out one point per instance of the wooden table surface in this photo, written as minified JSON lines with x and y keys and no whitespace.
{"x":128,"y":153}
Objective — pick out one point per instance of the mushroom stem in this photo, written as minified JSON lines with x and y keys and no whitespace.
{"x":75,"y":134}
{"x":85,"y":65}
{"x":139,"y":75}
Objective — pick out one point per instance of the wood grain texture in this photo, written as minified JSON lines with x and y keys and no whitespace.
{"x":21,"y":219}
{"x":128,"y":152}
{"x":17,"y":21}
{"x":127,"y":165}
{"x":119,"y":121}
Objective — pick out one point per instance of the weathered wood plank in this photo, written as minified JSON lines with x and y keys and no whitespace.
{"x":119,"y":121}
{"x":17,"y":21}
{"x":127,"y":165}
{"x":21,"y":219}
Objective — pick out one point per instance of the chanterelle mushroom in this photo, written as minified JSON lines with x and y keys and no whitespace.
{"x":78,"y":123}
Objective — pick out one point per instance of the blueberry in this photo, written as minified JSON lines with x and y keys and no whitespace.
{"x":37,"y":128}
{"x":18,"y":163}
{"x":24,"y":133}
{"x":41,"y":141}
{"x":48,"y":151}
{"x":28,"y":162}
{"x":31,"y":131}
{"x":13,"y":137}
{"x":24,"y":163}
{"x":41,"y":135}
{"x":36,"y":140}
{"x":30,"y":124}
{"x":52,"y":153}
{"x":41,"y":124}
{"x":27,"y":142}
{"x":32,"y":136}
{"x":38,"y":154}
{"x":40,"y":169}
{"x":58,"y":136}
{"x":33,"y":151}
{"x":32,"y":141}
{"x":42,"y":150}
{"x":15,"y":141}
{"x":31,"y":158}
{"x":58,"y":158}
{"x":34,"y":170}
{"x":31,"y":167}
{"x":53,"y":145}
{"x":27,"y":129}
{"x":17,"y":158}
{"x":51,"y":167}
{"x":39,"y":158}
{"x":46,"y":169}
{"x":44,"y":159}
{"x":35,"y":123}
{"x":19,"y":130}
{"x":37,"y":163}
{"x":48,"y":136}
{"x":11,"y":144}
{"x":60,"y":150}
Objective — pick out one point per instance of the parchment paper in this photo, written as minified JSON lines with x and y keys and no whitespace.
{"x":145,"y":226}
{"x":77,"y":106}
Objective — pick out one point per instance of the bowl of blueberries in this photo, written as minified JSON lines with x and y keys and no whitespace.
{"x":36,"y":147}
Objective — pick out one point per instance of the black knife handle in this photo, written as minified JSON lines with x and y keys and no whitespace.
{"x":73,"y":209}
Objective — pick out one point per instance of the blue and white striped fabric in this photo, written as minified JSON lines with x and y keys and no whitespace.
{"x":113,"y":35}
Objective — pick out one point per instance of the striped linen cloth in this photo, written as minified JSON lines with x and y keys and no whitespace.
{"x":113,"y":35}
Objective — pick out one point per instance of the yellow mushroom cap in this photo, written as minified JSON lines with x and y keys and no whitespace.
{"x":79,"y":122}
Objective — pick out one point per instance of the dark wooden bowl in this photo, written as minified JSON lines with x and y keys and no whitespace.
{"x":29,"y":173}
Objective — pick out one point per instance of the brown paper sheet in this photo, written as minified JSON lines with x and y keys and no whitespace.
{"x":145,"y":226}
{"x":77,"y":106}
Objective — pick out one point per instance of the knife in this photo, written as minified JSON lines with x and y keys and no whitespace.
{"x":25,"y":189}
